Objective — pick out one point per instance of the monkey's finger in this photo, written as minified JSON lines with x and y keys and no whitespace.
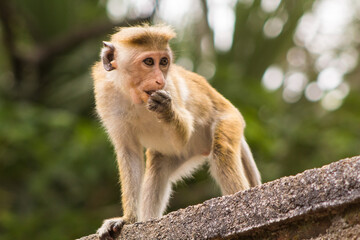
{"x":160,"y":97}
{"x":164,"y":94}
{"x":110,"y":229}
{"x":156,"y":99}
{"x":105,"y":236}
{"x":117,"y":226}
{"x":152,"y":105}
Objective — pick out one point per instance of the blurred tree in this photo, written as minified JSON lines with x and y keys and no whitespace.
{"x":58,"y":176}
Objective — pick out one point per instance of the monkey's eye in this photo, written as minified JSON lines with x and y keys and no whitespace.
{"x":164,"y":61}
{"x":149,"y":61}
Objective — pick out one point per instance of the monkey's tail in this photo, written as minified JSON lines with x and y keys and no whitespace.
{"x":251,"y":170}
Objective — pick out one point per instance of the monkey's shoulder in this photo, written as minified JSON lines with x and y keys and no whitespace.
{"x":191,"y":86}
{"x":204,"y":98}
{"x":189,"y":75}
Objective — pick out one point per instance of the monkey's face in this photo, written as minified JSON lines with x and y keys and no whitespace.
{"x":148,"y":73}
{"x":145,"y":71}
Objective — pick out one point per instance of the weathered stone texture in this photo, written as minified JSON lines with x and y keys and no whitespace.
{"x":319,"y":203}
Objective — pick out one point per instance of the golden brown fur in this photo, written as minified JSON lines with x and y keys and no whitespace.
{"x":175,"y":114}
{"x":145,"y":35}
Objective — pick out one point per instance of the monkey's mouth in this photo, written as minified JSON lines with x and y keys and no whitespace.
{"x":149,"y":92}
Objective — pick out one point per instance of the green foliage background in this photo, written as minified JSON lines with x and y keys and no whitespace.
{"x":58,"y":176}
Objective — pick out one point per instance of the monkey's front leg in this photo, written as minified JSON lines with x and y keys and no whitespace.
{"x":131,"y":169}
{"x":180,"y":121}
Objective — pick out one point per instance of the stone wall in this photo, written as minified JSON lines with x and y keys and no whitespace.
{"x":319,"y":203}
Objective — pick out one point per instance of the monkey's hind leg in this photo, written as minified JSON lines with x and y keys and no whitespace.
{"x":225,"y":163}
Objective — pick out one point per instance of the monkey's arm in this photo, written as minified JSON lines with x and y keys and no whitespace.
{"x":178,"y":119}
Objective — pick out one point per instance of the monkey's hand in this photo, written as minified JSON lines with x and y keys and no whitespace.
{"x":160,"y":102}
{"x":110,"y":228}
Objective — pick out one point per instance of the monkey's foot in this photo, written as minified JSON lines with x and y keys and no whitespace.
{"x":110,"y":229}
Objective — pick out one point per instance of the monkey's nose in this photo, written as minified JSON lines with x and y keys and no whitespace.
{"x":160,"y":82}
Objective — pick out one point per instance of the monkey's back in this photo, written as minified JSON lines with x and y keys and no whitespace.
{"x":202,"y":99}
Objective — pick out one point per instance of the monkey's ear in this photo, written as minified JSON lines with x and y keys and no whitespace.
{"x":107,"y":56}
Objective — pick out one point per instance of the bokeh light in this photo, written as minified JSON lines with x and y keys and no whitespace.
{"x":329,"y":78}
{"x":270,"y":5}
{"x":273,"y":27}
{"x":313,"y":92}
{"x":325,"y":37}
{"x":273,"y":78}
{"x":221,"y":18}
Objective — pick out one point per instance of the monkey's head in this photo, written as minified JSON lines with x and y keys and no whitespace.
{"x":142,"y":57}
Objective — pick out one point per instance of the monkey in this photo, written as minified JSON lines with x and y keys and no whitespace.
{"x":145,"y":101}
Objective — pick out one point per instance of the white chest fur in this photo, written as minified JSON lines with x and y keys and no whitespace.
{"x":153,"y":134}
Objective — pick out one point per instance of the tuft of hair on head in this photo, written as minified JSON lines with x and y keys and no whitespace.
{"x":145,"y":35}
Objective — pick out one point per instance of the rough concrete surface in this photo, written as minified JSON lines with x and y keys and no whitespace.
{"x":319,"y":203}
